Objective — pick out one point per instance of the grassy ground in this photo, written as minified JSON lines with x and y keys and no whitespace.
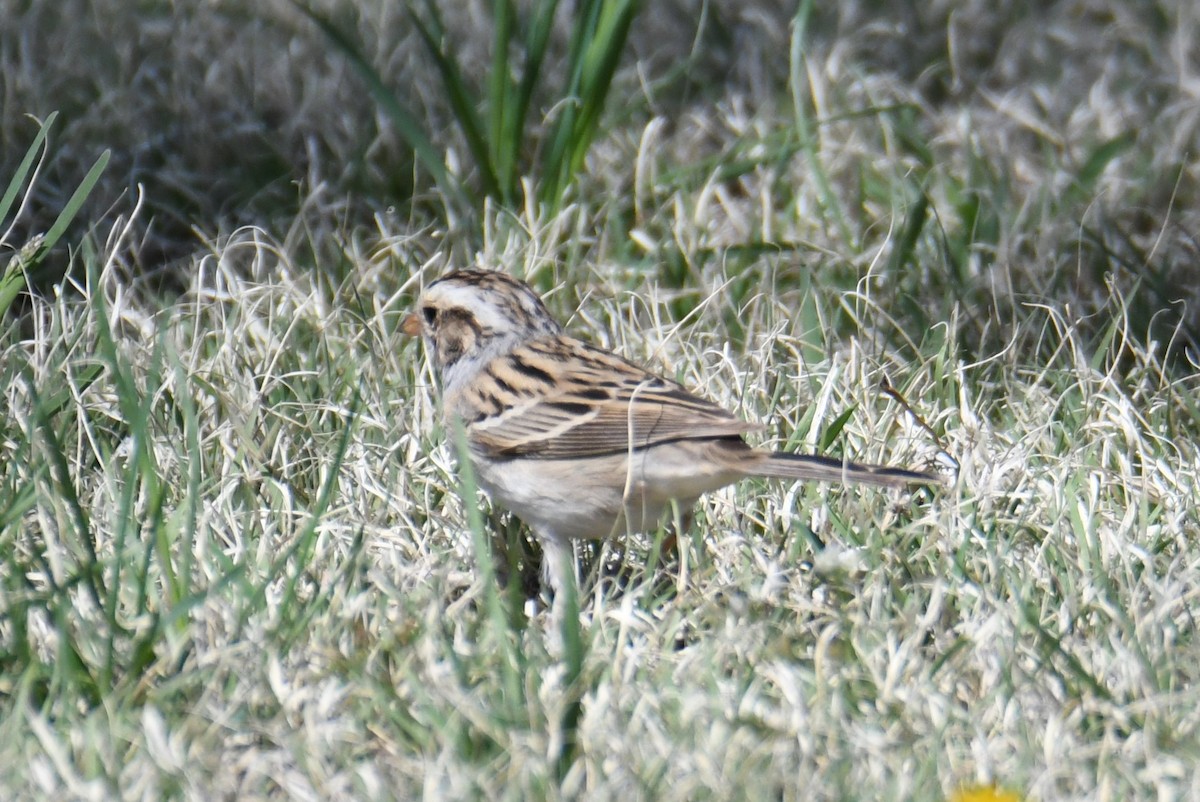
{"x":235,"y":556}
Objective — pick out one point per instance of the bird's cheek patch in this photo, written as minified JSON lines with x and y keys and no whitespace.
{"x":453,"y":344}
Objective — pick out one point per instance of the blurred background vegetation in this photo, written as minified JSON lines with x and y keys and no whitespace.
{"x":1082,"y":113}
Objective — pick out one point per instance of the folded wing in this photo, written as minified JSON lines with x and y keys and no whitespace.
{"x":599,"y":404}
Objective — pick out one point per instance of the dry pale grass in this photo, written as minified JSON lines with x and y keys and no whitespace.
{"x":284,"y":599}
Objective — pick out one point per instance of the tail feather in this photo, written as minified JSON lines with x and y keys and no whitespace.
{"x":782,"y":465}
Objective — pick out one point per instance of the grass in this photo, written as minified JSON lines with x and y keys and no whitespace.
{"x":237,"y":558}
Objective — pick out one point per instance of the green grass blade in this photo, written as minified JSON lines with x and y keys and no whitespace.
{"x":596,"y":45}
{"x":904,"y":249}
{"x":535,"y":52}
{"x":19,"y":502}
{"x":457,"y":92}
{"x":498,"y":621}
{"x":574,"y":653}
{"x":831,"y":434}
{"x":807,"y":128}
{"x":91,"y":572}
{"x":501,"y":97}
{"x":1084,"y":184}
{"x":301,"y":548}
{"x":600,"y":65}
{"x":142,"y":477}
{"x":26,"y":164}
{"x":191,"y":508}
{"x":564,"y":124}
{"x":12,"y":281}
{"x":59,"y":227}
{"x":406,"y":122}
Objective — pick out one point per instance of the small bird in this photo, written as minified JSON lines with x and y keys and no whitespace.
{"x":576,"y":441}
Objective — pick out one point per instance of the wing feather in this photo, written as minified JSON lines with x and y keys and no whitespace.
{"x":599,"y":405}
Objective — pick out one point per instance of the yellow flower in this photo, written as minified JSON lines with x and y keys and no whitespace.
{"x":984,"y":794}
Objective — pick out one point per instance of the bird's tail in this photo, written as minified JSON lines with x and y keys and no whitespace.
{"x":782,"y":465}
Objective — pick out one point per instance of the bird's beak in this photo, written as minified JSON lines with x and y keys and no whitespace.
{"x":411,"y":325}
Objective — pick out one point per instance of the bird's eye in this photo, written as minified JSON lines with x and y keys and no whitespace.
{"x":430,"y":314}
